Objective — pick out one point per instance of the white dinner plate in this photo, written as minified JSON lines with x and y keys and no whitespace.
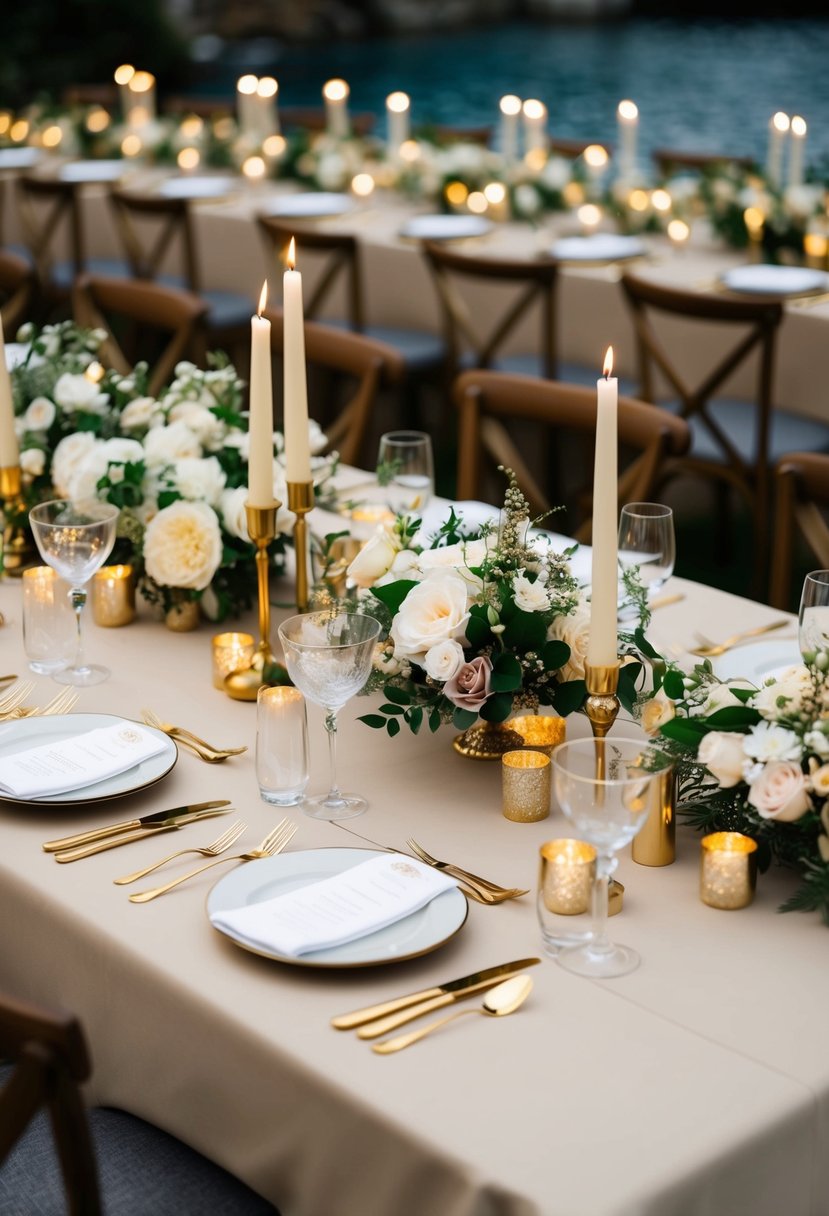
{"x":19,"y":158}
{"x":32,"y":732}
{"x":196,"y":187}
{"x":93,"y":171}
{"x":417,"y":934}
{"x":775,"y":280}
{"x":309,"y":206}
{"x":758,"y":662}
{"x":445,"y":227}
{"x":598,"y":247}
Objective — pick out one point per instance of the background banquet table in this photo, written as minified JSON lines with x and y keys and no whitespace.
{"x":591,"y":310}
{"x":697,"y":1084}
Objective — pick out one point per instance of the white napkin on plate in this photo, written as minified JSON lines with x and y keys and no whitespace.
{"x":84,"y":759}
{"x":339,"y":909}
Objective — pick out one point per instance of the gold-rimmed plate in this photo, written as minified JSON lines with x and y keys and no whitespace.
{"x":21,"y":733}
{"x":422,"y":932}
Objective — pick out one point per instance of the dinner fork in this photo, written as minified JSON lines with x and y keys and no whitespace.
{"x":273,"y":843}
{"x":14,"y":697}
{"x":204,"y":750}
{"x":219,"y":845}
{"x":711,"y":649}
{"x":496,"y":893}
{"x":62,"y":703}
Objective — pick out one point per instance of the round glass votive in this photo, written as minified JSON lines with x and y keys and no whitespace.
{"x":113,"y":596}
{"x":50,"y":629}
{"x":231,"y":652}
{"x":526,"y":786}
{"x":282,"y":768}
{"x":728,"y":870}
{"x":540,"y":732}
{"x":567,"y":871}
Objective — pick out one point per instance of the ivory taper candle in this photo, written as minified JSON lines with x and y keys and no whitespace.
{"x":260,"y":425}
{"x":602,"y":646}
{"x":9,"y":449}
{"x":297,"y":447}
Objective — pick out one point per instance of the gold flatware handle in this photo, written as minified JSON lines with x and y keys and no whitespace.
{"x":414,"y":1036}
{"x":71,"y":842}
{"x":89,"y":850}
{"x":144,"y":897}
{"x":383,"y":1025}
{"x":348,"y":1021}
{"x":664,"y":601}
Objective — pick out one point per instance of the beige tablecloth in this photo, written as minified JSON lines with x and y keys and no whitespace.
{"x":699,"y":1084}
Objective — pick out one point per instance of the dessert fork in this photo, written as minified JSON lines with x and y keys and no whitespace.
{"x":219,"y":845}
{"x":204,"y":750}
{"x":273,"y":843}
{"x":14,"y":697}
{"x":61,"y":703}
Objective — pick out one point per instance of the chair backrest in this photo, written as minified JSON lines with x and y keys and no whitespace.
{"x":371,"y":365}
{"x":490,"y":403}
{"x":17,"y":291}
{"x":801,"y":484}
{"x":202,"y":107}
{"x":147,"y":309}
{"x":442,"y":133}
{"x":150,"y":227}
{"x":572,"y":149}
{"x":528,"y":284}
{"x":105,"y":95}
{"x":669,"y":160}
{"x":337,"y":257}
{"x":314,"y":118}
{"x":50,"y":1062}
{"x":48,"y":207}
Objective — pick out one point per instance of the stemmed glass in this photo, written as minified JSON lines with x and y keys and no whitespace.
{"x":328,"y":656}
{"x":75,"y":540}
{"x":647,"y":540}
{"x":813,"y":631}
{"x":405,"y":469}
{"x":606,"y":788}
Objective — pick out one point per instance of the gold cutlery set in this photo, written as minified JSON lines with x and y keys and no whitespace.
{"x":12,"y":707}
{"x":185,"y":738}
{"x":707,"y":649}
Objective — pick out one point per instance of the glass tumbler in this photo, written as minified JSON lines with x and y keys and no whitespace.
{"x":281,"y":745}
{"x":49,"y":629}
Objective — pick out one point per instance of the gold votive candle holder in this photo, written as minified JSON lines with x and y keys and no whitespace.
{"x":526,"y":786}
{"x":231,"y":652}
{"x":540,"y":732}
{"x":728,"y":870}
{"x":113,"y":596}
{"x":566,"y":876}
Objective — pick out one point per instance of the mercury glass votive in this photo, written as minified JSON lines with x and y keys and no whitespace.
{"x":113,"y":596}
{"x":568,"y":869}
{"x":728,"y":870}
{"x":540,"y":732}
{"x":526,"y":786}
{"x":231,"y":652}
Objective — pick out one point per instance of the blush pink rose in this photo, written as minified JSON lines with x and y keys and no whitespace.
{"x":469,"y":687}
{"x":780,"y":792}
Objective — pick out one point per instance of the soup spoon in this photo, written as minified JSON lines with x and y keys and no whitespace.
{"x":499,"y":1001}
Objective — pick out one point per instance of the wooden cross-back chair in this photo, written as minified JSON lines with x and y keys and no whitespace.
{"x":734,"y":442}
{"x":671,"y":160}
{"x":17,"y":292}
{"x":801,"y":496}
{"x":445,"y":133}
{"x":314,"y":118}
{"x":369,"y":366}
{"x":176,"y":317}
{"x":490,"y":403}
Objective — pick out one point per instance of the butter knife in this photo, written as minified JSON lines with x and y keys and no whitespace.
{"x":444,"y":994}
{"x":160,"y":819}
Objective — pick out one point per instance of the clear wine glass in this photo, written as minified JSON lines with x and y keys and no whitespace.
{"x":405,"y":470}
{"x":647,"y":540}
{"x":606,"y":788}
{"x":75,"y":539}
{"x":813,"y":630}
{"x":328,"y":656}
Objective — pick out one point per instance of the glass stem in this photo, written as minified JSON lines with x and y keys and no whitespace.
{"x":78,"y":597}
{"x":334,"y":794}
{"x":599,"y":942}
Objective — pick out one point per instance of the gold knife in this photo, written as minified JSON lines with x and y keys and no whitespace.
{"x":445,"y":994}
{"x":160,"y":819}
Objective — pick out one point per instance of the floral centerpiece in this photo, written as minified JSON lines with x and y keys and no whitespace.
{"x":756,"y":761}
{"x":480,"y":622}
{"x":176,"y":465}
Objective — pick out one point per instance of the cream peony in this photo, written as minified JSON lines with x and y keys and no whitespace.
{"x":32,"y":461}
{"x":530,"y":597}
{"x":574,"y":629}
{"x":208,"y":429}
{"x":658,"y":710}
{"x":83,"y":482}
{"x":232,"y":510}
{"x":69,"y":455}
{"x":199,"y":480}
{"x":76,"y":394}
{"x":374,"y":559}
{"x":40,"y":415}
{"x":722,"y":754}
{"x":166,"y":444}
{"x":443,"y":660}
{"x":780,"y":792}
{"x":140,"y":414}
{"x":183,"y":546}
{"x":433,"y":611}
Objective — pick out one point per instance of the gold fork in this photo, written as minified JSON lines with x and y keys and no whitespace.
{"x":219,"y":845}
{"x":496,"y":893}
{"x":204,"y":750}
{"x":711,"y":650}
{"x":62,"y":703}
{"x":14,"y":697}
{"x":273,"y":843}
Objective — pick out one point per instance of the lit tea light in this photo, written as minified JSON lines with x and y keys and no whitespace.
{"x":476,"y":202}
{"x":638,"y":200}
{"x":661,"y":200}
{"x":192,"y":127}
{"x":566,"y":877}
{"x":113,"y":596}
{"x":274,"y":146}
{"x":456,"y":193}
{"x":335,"y":94}
{"x":97,"y":121}
{"x":495,"y":193}
{"x":410,"y":151}
{"x":188,"y":159}
{"x":816,"y":245}
{"x":95,"y":372}
{"x":525,"y":786}
{"x":5,"y":122}
{"x":754,"y":220}
{"x":254,"y":168}
{"x":51,"y":136}
{"x":678,"y":232}
{"x":231,"y":652}
{"x":362,"y":184}
{"x":728,"y":870}
{"x":131,"y":145}
{"x":589,"y":216}
{"x":19,"y":130}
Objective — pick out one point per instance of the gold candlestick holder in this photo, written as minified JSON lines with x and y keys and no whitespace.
{"x":301,"y":501}
{"x":601,"y":706}
{"x":244,"y":685}
{"x":17,"y":548}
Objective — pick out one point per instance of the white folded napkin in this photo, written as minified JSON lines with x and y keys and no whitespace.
{"x":71,"y":764}
{"x":340,"y":909}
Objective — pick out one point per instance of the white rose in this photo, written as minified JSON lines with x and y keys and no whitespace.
{"x":816,"y":741}
{"x":94,"y":465}
{"x":183,"y":546}
{"x":433,"y":611}
{"x":443,"y":660}
{"x":32,"y":461}
{"x":722,"y":754}
{"x":208,"y":429}
{"x":200,"y":480}
{"x":530,"y":597}
{"x":656,"y":712}
{"x":40,"y":415}
{"x":405,"y":564}
{"x":374,"y":559}
{"x":139,"y":414}
{"x":69,"y":454}
{"x":385,"y":660}
{"x":719,"y":697}
{"x":766,"y":742}
{"x":240,"y":440}
{"x":77,"y":393}
{"x":316,"y":437}
{"x":556,"y":173}
{"x":446,"y":555}
{"x":574,"y":629}
{"x":780,"y":792}
{"x":232,"y":510}
{"x":785,"y":694}
{"x":527,"y":199}
{"x":166,"y":444}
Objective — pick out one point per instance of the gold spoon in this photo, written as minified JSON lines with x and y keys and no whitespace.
{"x":499,"y":1001}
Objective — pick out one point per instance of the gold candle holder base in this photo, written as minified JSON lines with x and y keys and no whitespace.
{"x":18,"y":551}
{"x":244,"y":685}
{"x":601,"y":703}
{"x":301,"y":501}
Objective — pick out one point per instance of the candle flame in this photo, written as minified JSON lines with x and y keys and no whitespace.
{"x":291,"y":258}
{"x":798,"y":126}
{"x":608,"y":362}
{"x":263,"y":299}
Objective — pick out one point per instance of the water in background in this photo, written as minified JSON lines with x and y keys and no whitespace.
{"x":699,"y":85}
